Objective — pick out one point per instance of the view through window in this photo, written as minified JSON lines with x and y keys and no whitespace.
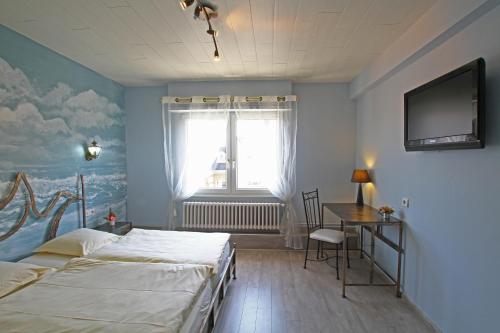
{"x":242,"y":153}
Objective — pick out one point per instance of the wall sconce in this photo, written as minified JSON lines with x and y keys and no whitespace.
{"x":93,"y":151}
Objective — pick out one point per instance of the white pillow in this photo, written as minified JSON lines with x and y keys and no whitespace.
{"x":78,"y":243}
{"x":15,"y":275}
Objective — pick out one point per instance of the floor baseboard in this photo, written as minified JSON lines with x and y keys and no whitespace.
{"x":422,"y":314}
{"x":259,"y":241}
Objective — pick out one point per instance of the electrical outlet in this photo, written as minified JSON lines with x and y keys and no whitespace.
{"x":90,"y":212}
{"x":405,"y":202}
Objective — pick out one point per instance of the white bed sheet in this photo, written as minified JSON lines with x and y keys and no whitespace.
{"x":48,"y":260}
{"x":90,"y":295}
{"x":199,"y":311}
{"x":141,"y":245}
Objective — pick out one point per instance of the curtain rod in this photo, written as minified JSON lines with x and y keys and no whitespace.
{"x":227,"y":99}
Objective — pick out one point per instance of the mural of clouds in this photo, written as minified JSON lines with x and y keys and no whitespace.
{"x":43,"y":132}
{"x":14,"y":85}
{"x":44,"y":126}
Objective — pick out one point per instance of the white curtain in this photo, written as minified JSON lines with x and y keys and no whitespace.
{"x":283,"y":182}
{"x":190,"y":143}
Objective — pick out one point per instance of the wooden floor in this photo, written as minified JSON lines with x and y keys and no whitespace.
{"x":274,"y":293}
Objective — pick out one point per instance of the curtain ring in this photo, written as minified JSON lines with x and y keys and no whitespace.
{"x":183,"y":100}
{"x":211,"y":99}
{"x":253,"y":99}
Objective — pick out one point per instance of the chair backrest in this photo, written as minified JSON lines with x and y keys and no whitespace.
{"x":313,"y":213}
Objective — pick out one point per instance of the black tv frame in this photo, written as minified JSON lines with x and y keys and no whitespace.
{"x":464,"y":141}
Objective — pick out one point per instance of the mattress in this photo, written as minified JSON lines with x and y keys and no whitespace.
{"x":222,"y":262}
{"x":48,"y":260}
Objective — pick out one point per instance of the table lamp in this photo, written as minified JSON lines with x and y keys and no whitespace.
{"x":360,"y":176}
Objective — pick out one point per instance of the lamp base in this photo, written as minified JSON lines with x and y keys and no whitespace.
{"x":359,"y":200}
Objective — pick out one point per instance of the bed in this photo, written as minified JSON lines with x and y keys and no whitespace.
{"x":139,"y":245}
{"x":104,"y":296}
{"x":211,"y":250}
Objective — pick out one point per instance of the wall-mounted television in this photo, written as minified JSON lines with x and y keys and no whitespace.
{"x":448,"y":112}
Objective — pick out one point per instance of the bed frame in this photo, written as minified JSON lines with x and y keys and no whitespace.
{"x":218,"y":295}
{"x":30,"y":206}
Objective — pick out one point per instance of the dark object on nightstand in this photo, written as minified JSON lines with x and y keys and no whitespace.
{"x":120,"y":228}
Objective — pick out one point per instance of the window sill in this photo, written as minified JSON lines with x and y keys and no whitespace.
{"x":234,"y":195}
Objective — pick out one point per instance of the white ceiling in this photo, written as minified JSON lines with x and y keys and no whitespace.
{"x":145,"y":42}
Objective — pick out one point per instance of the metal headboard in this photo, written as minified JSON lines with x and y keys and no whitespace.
{"x":30,"y":205}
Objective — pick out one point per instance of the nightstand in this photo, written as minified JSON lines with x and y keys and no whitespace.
{"x":120,"y":228}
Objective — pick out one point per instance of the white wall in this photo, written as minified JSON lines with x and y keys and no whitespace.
{"x":452,"y":226}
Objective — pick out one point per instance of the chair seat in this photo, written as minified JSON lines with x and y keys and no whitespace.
{"x":351,"y":232}
{"x":328,"y":235}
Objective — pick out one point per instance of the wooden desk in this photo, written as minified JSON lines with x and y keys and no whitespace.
{"x":369,"y":219}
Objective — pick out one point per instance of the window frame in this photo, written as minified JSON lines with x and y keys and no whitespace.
{"x":232,"y":189}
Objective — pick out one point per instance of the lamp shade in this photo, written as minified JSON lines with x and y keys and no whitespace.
{"x":360,"y":176}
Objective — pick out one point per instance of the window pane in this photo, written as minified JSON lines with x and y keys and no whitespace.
{"x":207,"y":141}
{"x":257,"y":152}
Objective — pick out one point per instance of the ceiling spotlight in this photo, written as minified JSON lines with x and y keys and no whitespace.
{"x":213,"y":32}
{"x":209,"y":10}
{"x":208,"y":5}
{"x":185,"y":3}
{"x":216,"y":55}
{"x":197,"y":12}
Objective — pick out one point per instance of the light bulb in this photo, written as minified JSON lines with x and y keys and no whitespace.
{"x":216,"y":55}
{"x":185,"y":3}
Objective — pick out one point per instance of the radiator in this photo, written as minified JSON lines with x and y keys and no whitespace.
{"x":231,"y":216}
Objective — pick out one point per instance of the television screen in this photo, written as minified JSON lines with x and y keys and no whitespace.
{"x":448,"y":112}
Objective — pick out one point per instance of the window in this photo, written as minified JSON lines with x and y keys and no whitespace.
{"x":207,"y":142}
{"x":256,"y":147}
{"x":243,"y":156}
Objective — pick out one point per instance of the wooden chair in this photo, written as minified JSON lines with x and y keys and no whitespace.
{"x":316,"y":231}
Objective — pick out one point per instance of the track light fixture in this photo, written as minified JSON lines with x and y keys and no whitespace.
{"x":204,"y":10}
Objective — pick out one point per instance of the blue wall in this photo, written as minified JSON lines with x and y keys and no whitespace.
{"x":50,"y":107}
{"x":452,"y":227}
{"x":325,"y":141}
{"x":147,"y":185}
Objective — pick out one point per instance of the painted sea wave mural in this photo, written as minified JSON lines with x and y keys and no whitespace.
{"x":44,"y":129}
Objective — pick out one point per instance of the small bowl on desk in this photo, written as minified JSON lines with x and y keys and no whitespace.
{"x":386,"y":212}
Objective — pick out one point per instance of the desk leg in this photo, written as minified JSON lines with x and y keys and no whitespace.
{"x":344,"y":262}
{"x":398,"y":278}
{"x":372,"y":254}
{"x":322,"y":215}
{"x":321,"y":219}
{"x":361,"y":245}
